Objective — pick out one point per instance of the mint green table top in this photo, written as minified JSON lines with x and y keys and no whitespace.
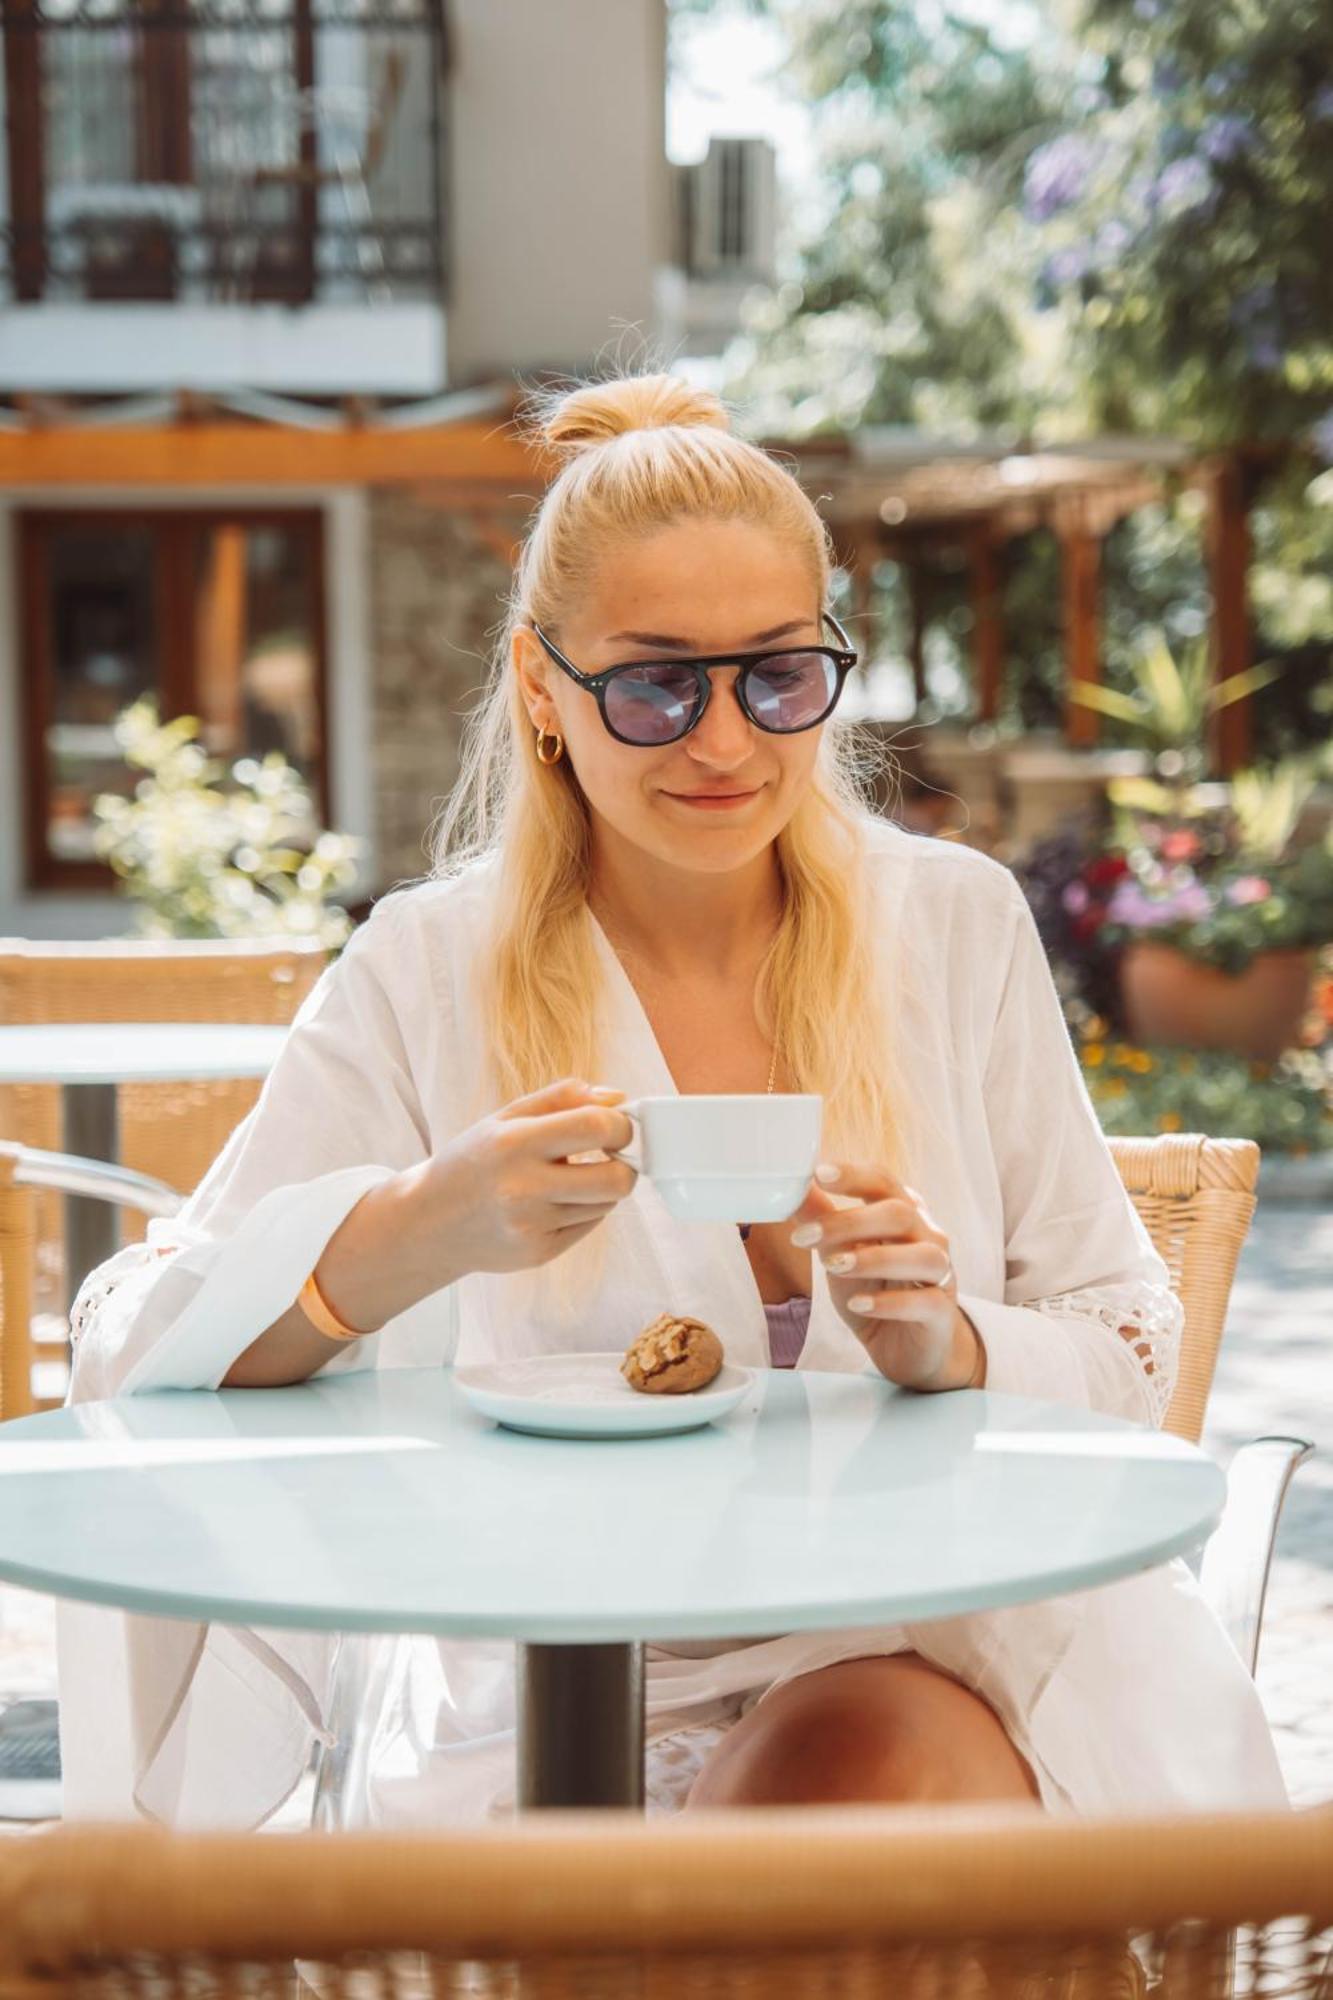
{"x":382,"y":1502}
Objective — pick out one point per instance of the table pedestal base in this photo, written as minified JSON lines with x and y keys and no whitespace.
{"x":90,"y":1129}
{"x":580,"y":1726}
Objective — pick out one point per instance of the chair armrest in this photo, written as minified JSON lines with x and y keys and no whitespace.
{"x":1234,"y":1572}
{"x":68,"y":1173}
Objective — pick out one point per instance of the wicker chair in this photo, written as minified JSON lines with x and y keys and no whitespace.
{"x":1196,"y":1198}
{"x":23,"y":1173}
{"x":171,"y":1132}
{"x":829,"y":1903}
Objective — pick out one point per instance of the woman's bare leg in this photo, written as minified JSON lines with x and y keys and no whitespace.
{"x":890,"y":1728}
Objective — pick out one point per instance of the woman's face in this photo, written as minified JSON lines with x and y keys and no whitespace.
{"x":716,"y":798}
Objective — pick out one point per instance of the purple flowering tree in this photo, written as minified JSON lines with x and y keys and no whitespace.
{"x":1185,"y":223}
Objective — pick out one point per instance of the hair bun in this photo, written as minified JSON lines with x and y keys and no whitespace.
{"x":596,"y":412}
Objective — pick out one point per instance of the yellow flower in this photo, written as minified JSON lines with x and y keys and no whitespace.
{"x":1115,"y":1086}
{"x":1140,"y":1062}
{"x":1094,"y":1053}
{"x":1169,"y":1122}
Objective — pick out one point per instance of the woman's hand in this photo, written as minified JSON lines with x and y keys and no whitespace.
{"x":509,"y":1192}
{"x":518,"y":1188}
{"x":512,"y":1191}
{"x":891,"y":1277}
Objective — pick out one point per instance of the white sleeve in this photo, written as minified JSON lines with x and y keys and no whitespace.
{"x":1088,"y":1316}
{"x":338,"y":1116}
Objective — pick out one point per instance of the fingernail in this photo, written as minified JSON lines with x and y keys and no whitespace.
{"x":827,"y":1173}
{"x":807,"y":1235}
{"x":862,"y":1303}
{"x":844,"y":1261}
{"x":604,"y":1093}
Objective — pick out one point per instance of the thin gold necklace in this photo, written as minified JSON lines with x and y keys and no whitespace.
{"x":772,"y":1070}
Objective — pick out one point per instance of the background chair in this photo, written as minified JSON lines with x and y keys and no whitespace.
{"x":170,"y":1131}
{"x":892,"y":1904}
{"x":23,"y":1171}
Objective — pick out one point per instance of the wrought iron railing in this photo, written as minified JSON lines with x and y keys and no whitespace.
{"x":223,"y":150}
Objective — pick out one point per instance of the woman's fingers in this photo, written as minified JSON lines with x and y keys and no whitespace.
{"x":600,"y":1180}
{"x":865,"y":1183}
{"x":921,"y":1262}
{"x":585,"y":1128}
{"x":895,"y":1220}
{"x":561,"y":1096}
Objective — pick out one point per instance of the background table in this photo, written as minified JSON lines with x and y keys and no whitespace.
{"x":89,"y":1060}
{"x":380,"y":1502}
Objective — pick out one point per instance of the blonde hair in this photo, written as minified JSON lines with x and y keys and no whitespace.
{"x":636,"y":454}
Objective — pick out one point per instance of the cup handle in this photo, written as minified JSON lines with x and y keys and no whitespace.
{"x":632,"y":1154}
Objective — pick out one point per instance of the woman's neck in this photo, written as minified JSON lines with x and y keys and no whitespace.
{"x":679,"y":922}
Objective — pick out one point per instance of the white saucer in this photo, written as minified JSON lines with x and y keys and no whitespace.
{"x":586,"y":1396}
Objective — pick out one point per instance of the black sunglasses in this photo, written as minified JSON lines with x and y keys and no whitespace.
{"x":649,"y":702}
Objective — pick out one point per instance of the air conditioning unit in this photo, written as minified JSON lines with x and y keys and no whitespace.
{"x":729,"y":211}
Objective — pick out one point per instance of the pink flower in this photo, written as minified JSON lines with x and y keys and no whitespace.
{"x":1249,"y":889}
{"x":1180,"y":845}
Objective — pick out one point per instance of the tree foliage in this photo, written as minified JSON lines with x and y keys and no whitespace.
{"x":1117,"y":215}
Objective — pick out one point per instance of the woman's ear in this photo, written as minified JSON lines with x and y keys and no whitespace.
{"x":532,"y":667}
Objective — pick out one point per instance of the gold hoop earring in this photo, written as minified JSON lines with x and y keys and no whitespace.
{"x":558,"y":741}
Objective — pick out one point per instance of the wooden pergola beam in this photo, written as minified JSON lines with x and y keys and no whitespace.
{"x":1081,"y":553}
{"x":987,"y":623}
{"x":1231,"y":731}
{"x":249,"y":454}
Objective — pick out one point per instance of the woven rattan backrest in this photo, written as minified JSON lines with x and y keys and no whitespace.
{"x":815,"y":1903}
{"x":171,"y":1131}
{"x":16,"y":1263}
{"x":1196,"y":1197}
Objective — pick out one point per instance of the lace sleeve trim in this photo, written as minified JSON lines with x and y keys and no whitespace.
{"x":1148,"y":1318}
{"x":99,"y":1285}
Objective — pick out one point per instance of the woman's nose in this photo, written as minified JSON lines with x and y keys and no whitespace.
{"x":724,"y":734}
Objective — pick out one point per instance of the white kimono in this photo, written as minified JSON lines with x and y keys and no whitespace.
{"x":1128,"y":1696}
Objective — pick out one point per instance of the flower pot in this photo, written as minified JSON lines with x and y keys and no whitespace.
{"x":1173,"y":999}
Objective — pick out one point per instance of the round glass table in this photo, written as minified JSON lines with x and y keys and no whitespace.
{"x":381,"y":1502}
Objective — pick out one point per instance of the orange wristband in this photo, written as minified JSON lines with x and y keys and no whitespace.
{"x":321,"y":1315}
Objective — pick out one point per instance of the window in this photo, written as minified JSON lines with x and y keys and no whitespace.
{"x":218,"y":614}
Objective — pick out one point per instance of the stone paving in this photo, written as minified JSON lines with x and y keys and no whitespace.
{"x":1275,"y":1377}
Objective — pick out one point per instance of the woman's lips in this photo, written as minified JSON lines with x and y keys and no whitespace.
{"x":716,"y":801}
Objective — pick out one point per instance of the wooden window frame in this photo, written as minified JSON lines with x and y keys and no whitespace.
{"x":175,"y":529}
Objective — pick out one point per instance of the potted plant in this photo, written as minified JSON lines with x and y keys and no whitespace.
{"x":1218,"y":913}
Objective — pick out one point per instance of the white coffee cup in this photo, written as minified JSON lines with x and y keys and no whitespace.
{"x":726,"y":1158}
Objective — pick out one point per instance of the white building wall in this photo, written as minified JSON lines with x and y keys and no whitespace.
{"x":558,"y":206}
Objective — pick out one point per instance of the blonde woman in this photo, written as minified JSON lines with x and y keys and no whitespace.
{"x":657,"y":877}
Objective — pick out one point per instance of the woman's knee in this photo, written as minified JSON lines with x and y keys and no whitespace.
{"x":889,"y":1730}
{"x":809,"y":1745}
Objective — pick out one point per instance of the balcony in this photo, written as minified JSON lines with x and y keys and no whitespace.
{"x":195,"y":188}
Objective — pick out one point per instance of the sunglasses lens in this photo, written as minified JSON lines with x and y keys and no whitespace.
{"x":791,"y":691}
{"x":652,"y":704}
